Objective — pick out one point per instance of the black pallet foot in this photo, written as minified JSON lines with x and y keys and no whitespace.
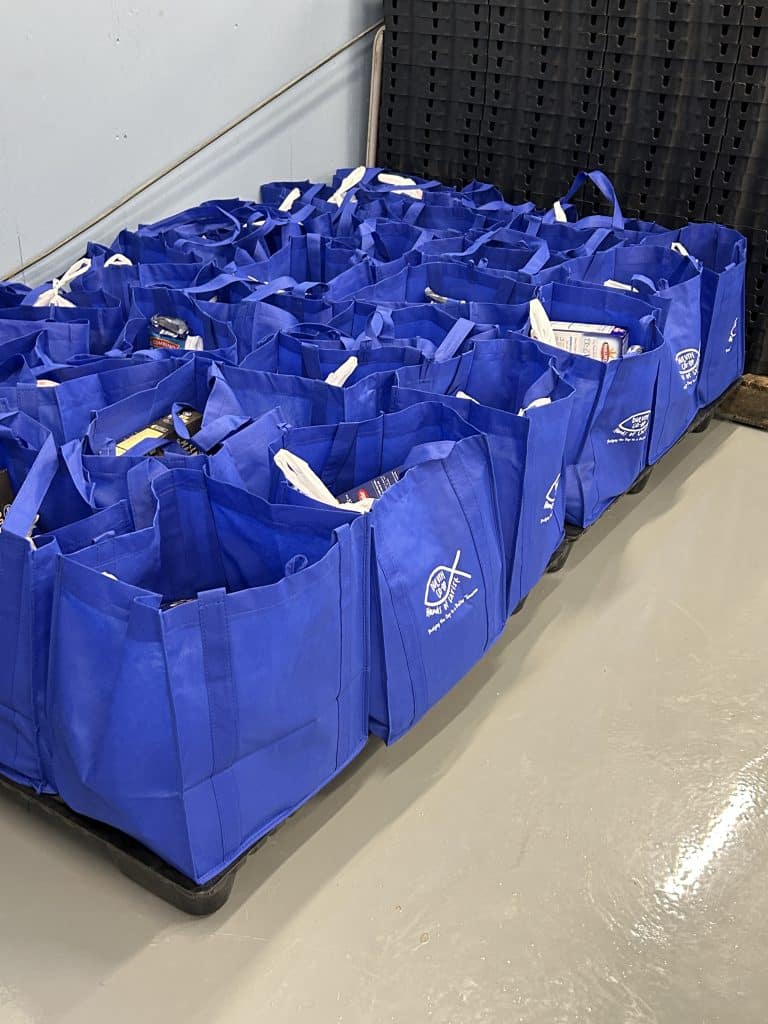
{"x":560,"y":556}
{"x":573,"y":532}
{"x":702,"y":422}
{"x":132,"y":858}
{"x":642,"y":481}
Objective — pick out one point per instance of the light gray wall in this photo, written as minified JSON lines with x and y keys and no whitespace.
{"x":101,"y":94}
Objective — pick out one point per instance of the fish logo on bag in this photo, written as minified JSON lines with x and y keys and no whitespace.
{"x":732,"y":335}
{"x":633,"y":428}
{"x":549,"y":501}
{"x":441,"y":595}
{"x":688,"y":364}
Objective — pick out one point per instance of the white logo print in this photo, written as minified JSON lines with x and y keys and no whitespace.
{"x":688,"y":364}
{"x":440,"y":596}
{"x":732,"y":335}
{"x":549,"y":500}
{"x":633,"y":428}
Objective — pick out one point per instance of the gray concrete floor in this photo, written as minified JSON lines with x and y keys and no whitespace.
{"x":577,"y":833}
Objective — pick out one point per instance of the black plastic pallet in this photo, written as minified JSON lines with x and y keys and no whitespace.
{"x":132,"y":858}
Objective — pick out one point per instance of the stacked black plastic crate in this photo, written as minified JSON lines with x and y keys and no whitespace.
{"x":433,"y":87}
{"x":545,"y":70}
{"x":740,"y":185}
{"x":667,"y":84}
{"x":668,"y":97}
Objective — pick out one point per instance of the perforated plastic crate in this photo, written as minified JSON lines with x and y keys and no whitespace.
{"x":454,"y":52}
{"x":409,"y":80}
{"x":563,"y":63}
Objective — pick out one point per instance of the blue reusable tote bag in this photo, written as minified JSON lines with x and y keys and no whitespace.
{"x":244,"y":459}
{"x":216,"y":339}
{"x":426,"y":323}
{"x":613,"y":406}
{"x":671,"y":283}
{"x":446,"y":282}
{"x":527,"y":442}
{"x":219,"y":680}
{"x":251,"y":321}
{"x":45,"y":345}
{"x":722,"y":252}
{"x":100,"y":325}
{"x":440,"y":594}
{"x":106,"y":480}
{"x":251,"y":393}
{"x":370,"y":379}
{"x":191,"y":386}
{"x":67,"y":408}
{"x":27,"y":571}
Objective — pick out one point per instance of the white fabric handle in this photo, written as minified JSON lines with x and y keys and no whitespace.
{"x":300,"y":475}
{"x":53,"y":297}
{"x":398,"y":181}
{"x":352,"y":179}
{"x":469,"y":398}
{"x":610,"y":283}
{"x":537,"y":403}
{"x":541,"y":325}
{"x":559,"y":212}
{"x":118,"y":260}
{"x":290,"y":199}
{"x":339,"y":377}
{"x":680,"y":248}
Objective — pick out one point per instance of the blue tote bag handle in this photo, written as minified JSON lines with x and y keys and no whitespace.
{"x":263,"y":291}
{"x":141,"y":497}
{"x":222,"y":695}
{"x":366,"y":231}
{"x":602,"y":183}
{"x":25,"y":508}
{"x":646,"y":286}
{"x":413,"y":213}
{"x":595,"y":240}
{"x":454,"y":339}
{"x":538,"y":261}
{"x":213,"y":432}
{"x":345,"y":438}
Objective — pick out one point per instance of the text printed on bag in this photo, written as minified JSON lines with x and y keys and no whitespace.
{"x":633,"y":428}
{"x":440,"y":597}
{"x":688,"y":364}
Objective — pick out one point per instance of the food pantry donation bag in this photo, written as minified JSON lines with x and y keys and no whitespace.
{"x":670,"y":282}
{"x":510,"y":391}
{"x":439,"y":579}
{"x":33,"y":529}
{"x":613,"y":407}
{"x":209,"y":673}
